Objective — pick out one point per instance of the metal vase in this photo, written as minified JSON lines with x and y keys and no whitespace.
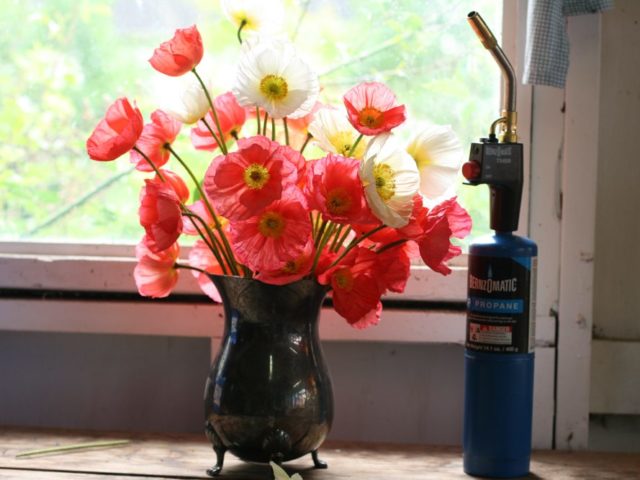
{"x":268,"y":396}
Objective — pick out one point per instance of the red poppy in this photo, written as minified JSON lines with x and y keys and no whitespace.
{"x":275,"y":236}
{"x":231,"y":117}
{"x":117,"y":132}
{"x":160,"y":215}
{"x":356,"y":293}
{"x":373,"y":109}
{"x":176,"y":183}
{"x":201,"y":257}
{"x":179,"y":55}
{"x":293,"y":270}
{"x":334,"y":188}
{"x":443,"y":221}
{"x":155,"y":274}
{"x":240,"y":184}
{"x":162,"y":130}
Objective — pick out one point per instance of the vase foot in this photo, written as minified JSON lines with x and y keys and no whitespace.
{"x":317,"y":463}
{"x":217,"y":468}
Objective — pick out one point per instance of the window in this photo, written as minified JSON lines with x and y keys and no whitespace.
{"x":68,"y":60}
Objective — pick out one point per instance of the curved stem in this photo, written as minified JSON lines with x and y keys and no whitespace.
{"x":189,"y":267}
{"x":304,"y":145}
{"x":205,"y":199}
{"x":213,"y":110}
{"x":213,"y":134}
{"x":355,"y":144}
{"x":286,"y":130}
{"x":243,"y":23}
{"x":391,"y":245}
{"x":338,"y":232}
{"x":213,"y":243}
{"x":320,"y":232}
{"x":258,"y":119}
{"x":355,"y":242}
{"x":323,"y":242}
{"x":155,"y":169}
{"x":342,"y":239}
{"x":264,"y":123}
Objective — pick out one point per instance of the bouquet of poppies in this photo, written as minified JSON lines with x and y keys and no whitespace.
{"x":351,"y":219}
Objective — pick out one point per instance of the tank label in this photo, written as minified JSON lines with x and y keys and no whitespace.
{"x":501,"y":304}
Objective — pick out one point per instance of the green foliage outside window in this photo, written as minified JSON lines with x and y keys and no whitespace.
{"x":65,"y":61}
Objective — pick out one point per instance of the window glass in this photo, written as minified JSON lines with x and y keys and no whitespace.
{"x":65,"y":61}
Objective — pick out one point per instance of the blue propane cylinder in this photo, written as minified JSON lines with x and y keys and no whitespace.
{"x":499,"y":356}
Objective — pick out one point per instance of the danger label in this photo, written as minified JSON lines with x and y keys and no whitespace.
{"x":490,"y":334}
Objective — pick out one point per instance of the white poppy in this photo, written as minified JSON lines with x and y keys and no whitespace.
{"x":256,"y":15}
{"x":273,"y":77}
{"x":391,"y":180}
{"x":438,"y":155}
{"x":188,"y":104}
{"x":280,"y":474}
{"x":333,"y":133}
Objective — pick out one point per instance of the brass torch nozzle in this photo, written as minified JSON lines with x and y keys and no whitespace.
{"x":509,"y":116}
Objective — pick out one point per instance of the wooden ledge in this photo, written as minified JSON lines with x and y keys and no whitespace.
{"x":187,"y":457}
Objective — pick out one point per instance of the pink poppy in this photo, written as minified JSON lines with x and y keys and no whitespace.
{"x":373,"y":109}
{"x":334,"y":188}
{"x":200,"y":209}
{"x":179,"y":55}
{"x":275,"y":236}
{"x":117,"y":132}
{"x":162,"y":130}
{"x":160,"y":215}
{"x":201,"y":257}
{"x":355,"y":290}
{"x":293,"y":270}
{"x":442,"y":222}
{"x":240,"y":184}
{"x":231,"y":117}
{"x":155,"y":274}
{"x":176,"y":183}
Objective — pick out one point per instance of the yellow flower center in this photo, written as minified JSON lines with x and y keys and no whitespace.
{"x":342,"y":142}
{"x":371,"y":117}
{"x":421,"y":157}
{"x":274,"y":87}
{"x":255,"y":176}
{"x":271,"y":224}
{"x":338,"y":201}
{"x":241,"y":17}
{"x":385,"y":181}
{"x":344,"y":279}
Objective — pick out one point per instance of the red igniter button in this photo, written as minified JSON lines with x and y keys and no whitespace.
{"x":471,"y":170}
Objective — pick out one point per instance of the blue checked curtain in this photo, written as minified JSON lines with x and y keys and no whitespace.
{"x":547,"y":47}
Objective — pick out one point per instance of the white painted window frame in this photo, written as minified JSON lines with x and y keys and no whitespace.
{"x":109,"y":269}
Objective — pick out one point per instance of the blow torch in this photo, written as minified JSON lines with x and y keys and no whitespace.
{"x":500,"y":328}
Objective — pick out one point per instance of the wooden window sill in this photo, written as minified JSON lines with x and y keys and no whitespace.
{"x":187,"y":457}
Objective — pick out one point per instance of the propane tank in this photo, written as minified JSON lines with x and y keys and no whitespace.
{"x":500,"y":328}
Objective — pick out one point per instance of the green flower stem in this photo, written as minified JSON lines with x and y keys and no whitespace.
{"x":155,"y":169}
{"x":213,"y":134}
{"x":320,"y":232}
{"x":342,"y":239}
{"x":73,"y":448}
{"x":286,"y":130}
{"x":213,"y":109}
{"x":338,"y":231}
{"x":213,"y":243}
{"x":229,"y":252}
{"x":304,"y":145}
{"x":243,"y":23}
{"x":355,"y":242}
{"x":391,"y":245}
{"x":258,"y":119}
{"x":323,"y":242}
{"x":273,"y":129}
{"x":264,"y":123}
{"x":189,"y":267}
{"x":355,"y":145}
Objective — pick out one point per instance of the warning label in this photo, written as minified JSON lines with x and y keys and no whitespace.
{"x":500,"y":307}
{"x":490,"y":334}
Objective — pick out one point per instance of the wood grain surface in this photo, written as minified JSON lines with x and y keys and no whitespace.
{"x":187,"y":457}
